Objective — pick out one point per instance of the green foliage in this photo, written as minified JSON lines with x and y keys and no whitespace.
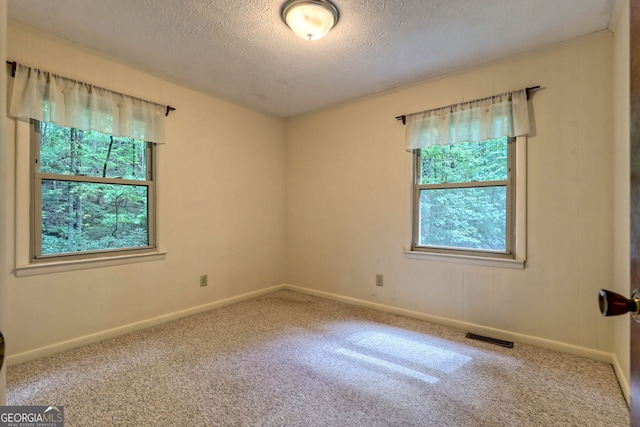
{"x":67,"y":151}
{"x":459,"y":217}
{"x":464,"y":162}
{"x":88,"y":216}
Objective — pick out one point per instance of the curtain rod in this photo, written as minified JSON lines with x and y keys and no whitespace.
{"x":529,"y":89}
{"x":168,"y":109}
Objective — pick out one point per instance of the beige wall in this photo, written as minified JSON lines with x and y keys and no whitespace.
{"x":348,"y":203}
{"x":221,"y":196}
{"x":621,"y":174}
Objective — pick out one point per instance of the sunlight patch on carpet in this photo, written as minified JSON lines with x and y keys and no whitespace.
{"x":388,"y":365}
{"x":429,"y":356}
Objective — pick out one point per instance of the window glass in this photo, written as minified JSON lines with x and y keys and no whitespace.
{"x":464,"y":162}
{"x":69,"y":151}
{"x":92,"y":192}
{"x":463,"y":198}
{"x":472,"y":218}
{"x":81,"y":216}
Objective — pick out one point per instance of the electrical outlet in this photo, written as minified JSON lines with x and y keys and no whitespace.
{"x":203,"y":280}
{"x":379,"y":280}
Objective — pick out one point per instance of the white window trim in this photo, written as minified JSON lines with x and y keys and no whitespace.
{"x":466,"y":259}
{"x":83,"y":264}
{"x":23,"y":263}
{"x":520,"y":244}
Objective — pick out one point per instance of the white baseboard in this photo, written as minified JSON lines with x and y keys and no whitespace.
{"x":15,"y":359}
{"x":481,"y":330}
{"x":622,"y":379}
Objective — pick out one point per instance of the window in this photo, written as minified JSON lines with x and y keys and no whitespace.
{"x":464,"y":198}
{"x":469,"y":201}
{"x":92,"y":193}
{"x":89,"y":195}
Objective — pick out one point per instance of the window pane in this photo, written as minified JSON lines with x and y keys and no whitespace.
{"x":79,"y":217}
{"x":69,"y":151}
{"x":464,"y":162}
{"x":473,"y":218}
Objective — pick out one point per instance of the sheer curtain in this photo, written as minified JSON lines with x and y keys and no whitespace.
{"x":488,"y":118}
{"x":48,"y":97}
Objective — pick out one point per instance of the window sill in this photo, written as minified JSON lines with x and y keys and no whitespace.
{"x":466,"y":259}
{"x":83,"y":264}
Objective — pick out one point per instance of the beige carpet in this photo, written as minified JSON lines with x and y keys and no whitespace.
{"x":288,"y":359}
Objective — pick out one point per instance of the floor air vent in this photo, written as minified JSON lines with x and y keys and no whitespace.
{"x":495,"y":341}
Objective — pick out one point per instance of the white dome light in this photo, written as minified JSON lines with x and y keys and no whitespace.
{"x":310,"y":19}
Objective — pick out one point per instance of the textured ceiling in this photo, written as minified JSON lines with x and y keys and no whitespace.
{"x":241,"y":50}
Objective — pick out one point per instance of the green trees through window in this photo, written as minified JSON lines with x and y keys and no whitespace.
{"x":463,"y":196}
{"x":94,"y":192}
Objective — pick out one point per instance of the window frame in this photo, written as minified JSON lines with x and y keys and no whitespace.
{"x":512,"y":228}
{"x":35,"y":229}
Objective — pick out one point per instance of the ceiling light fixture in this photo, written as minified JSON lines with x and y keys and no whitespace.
{"x":310,"y":19}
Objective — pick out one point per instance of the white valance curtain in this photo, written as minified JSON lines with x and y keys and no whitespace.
{"x":488,"y":118}
{"x":48,"y":97}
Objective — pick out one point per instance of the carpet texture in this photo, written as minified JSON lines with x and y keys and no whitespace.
{"x":289,"y":359}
